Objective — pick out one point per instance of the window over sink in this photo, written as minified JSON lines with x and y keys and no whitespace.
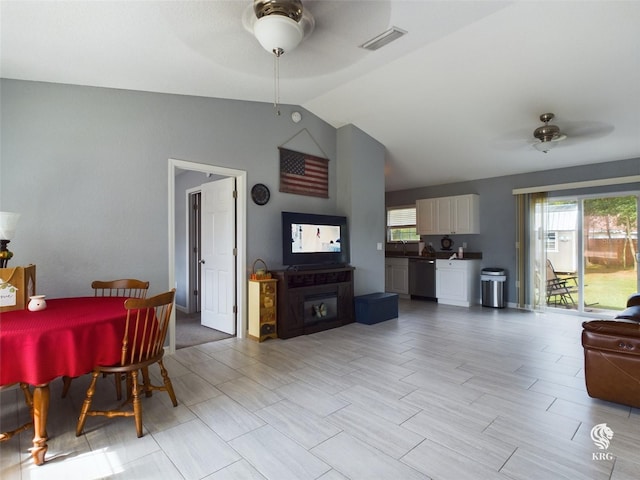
{"x":401,"y":224}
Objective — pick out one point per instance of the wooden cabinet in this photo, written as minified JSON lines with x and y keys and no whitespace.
{"x":458,"y":214}
{"x":397,"y":275}
{"x":458,"y":282}
{"x":310,"y":301}
{"x":263,"y":309}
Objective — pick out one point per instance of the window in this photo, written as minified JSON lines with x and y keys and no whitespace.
{"x":551,"y":244}
{"x":401,"y":225}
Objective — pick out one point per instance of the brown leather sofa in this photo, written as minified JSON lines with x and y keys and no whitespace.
{"x":633,"y":309}
{"x":612,"y":356}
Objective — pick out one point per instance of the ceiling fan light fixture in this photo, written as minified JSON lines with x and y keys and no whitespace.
{"x":288,"y":8}
{"x":278,"y":34}
{"x":548,"y":135}
{"x":279,"y":26}
{"x":544,"y":147}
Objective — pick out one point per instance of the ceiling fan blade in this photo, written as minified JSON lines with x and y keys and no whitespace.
{"x":586,"y":129}
{"x":513,"y":140}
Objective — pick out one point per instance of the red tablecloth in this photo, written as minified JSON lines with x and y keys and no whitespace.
{"x":69,"y":337}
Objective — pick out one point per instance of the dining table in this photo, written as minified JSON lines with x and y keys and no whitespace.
{"x":68,"y":338}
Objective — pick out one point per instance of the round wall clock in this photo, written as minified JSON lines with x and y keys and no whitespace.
{"x":446,"y":243}
{"x":260,"y":194}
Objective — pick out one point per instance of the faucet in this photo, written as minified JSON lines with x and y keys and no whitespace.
{"x":404,"y":246}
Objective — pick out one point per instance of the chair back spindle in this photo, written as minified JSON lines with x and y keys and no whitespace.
{"x":126,"y":287}
{"x":146,"y":327}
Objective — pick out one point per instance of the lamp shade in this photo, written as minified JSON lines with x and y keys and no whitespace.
{"x":8,"y":222}
{"x":544,"y":146}
{"x":278,"y":33}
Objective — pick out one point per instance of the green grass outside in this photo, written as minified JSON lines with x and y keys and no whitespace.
{"x":609,"y":288}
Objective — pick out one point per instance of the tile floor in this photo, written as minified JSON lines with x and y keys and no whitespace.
{"x":441,"y":393}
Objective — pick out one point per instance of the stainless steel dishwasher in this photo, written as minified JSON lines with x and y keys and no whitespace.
{"x":422,"y":277}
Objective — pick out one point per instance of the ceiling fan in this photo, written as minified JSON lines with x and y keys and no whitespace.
{"x":548,"y":136}
{"x":278,"y":25}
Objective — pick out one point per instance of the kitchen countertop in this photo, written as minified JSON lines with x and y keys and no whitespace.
{"x":436,"y":255}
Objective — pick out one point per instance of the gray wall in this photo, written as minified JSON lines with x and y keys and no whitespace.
{"x":87,"y":169}
{"x":496,"y":240}
{"x":357,"y":179}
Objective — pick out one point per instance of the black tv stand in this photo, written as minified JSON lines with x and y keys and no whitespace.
{"x":315,"y":266}
{"x":300,"y":288}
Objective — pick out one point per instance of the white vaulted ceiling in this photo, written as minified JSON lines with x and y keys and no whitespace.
{"x":455,"y":99}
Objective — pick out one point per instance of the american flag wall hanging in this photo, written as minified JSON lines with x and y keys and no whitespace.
{"x":303,"y":174}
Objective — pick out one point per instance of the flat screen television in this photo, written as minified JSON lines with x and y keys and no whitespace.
{"x":312,"y":240}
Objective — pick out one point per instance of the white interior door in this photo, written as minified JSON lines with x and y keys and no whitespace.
{"x":218,"y":258}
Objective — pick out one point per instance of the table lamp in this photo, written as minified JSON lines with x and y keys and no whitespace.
{"x":8,"y":222}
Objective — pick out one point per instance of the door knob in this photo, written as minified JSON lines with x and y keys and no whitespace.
{"x":201,"y":261}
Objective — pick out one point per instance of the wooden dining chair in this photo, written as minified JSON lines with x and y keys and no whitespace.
{"x":142,"y":345}
{"x":126,"y":287}
{"x":28,"y":398}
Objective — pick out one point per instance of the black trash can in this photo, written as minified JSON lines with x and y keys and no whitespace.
{"x":493,"y":287}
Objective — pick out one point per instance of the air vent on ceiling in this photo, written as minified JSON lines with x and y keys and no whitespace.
{"x":383,"y":39}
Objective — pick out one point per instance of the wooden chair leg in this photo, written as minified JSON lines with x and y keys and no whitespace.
{"x":128,"y":383}
{"x":118,"y":380}
{"x":66,"y":384}
{"x":137,"y":407}
{"x":28,"y":399}
{"x":146,"y":380}
{"x":7,"y":435}
{"x":167,"y":383}
{"x":87,"y":404}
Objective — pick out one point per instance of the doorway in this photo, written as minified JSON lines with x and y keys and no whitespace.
{"x":591,"y":247}
{"x":189,"y":328}
{"x":175,"y":167}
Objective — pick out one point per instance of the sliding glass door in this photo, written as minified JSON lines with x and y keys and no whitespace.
{"x":610,"y":236}
{"x":591,"y":249}
{"x":562,"y":251}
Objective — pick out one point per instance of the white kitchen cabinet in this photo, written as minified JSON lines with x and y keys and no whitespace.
{"x":445,"y":221}
{"x":426,"y":217}
{"x":458,"y":282}
{"x":465,"y":214}
{"x":458,"y":214}
{"x":397,"y":275}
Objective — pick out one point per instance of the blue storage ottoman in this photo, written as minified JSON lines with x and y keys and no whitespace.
{"x":376,"y":307}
